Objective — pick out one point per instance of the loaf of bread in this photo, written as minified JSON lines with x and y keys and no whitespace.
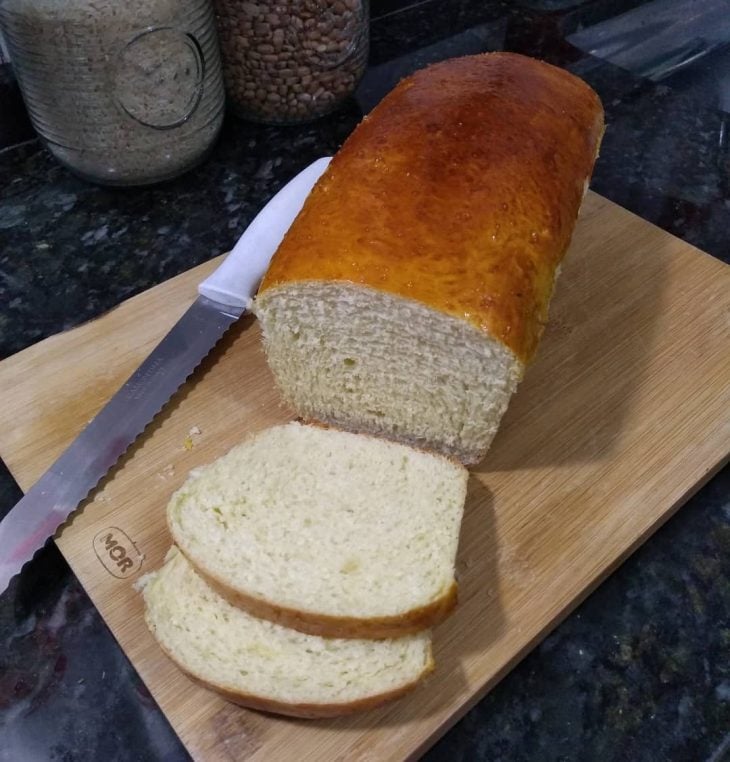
{"x":332,"y":533}
{"x":266,"y":666}
{"x":412,"y":289}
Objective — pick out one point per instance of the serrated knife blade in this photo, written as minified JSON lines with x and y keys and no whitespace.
{"x":223,"y":298}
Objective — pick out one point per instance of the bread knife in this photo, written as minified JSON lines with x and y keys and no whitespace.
{"x":222,"y":299}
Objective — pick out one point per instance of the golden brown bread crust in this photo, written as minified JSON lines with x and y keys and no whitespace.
{"x":460,"y":190}
{"x":304,"y":711}
{"x":311,"y":711}
{"x":326,"y":626}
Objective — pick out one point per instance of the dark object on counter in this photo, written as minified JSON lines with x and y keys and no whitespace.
{"x":122,"y":94}
{"x":14,"y":123}
{"x":294,"y":60}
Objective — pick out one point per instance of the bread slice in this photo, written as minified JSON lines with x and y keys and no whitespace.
{"x":412,"y":290}
{"x":266,"y":666}
{"x":332,"y":533}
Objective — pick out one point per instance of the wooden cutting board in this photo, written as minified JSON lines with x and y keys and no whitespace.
{"x":624,"y":414}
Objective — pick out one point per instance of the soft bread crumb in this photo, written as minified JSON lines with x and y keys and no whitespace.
{"x":236,"y":653}
{"x":370,"y":361}
{"x":167,"y":472}
{"x":324,"y":522}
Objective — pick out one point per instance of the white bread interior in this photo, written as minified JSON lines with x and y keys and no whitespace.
{"x":266,"y":666}
{"x":373,"y":362}
{"x":323,"y":530}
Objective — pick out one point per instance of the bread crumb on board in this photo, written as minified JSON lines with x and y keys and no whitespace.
{"x":140,"y":584}
{"x":189,"y":441}
{"x":167,"y":472}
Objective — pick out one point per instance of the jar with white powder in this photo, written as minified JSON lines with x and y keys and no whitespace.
{"x":121,"y":92}
{"x":289,"y":61}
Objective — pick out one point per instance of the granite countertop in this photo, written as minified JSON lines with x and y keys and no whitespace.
{"x":641,"y":670}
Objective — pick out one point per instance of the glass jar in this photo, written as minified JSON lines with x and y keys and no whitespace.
{"x":122,"y":92}
{"x":289,"y":61}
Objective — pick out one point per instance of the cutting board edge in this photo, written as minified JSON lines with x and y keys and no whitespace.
{"x":472,"y":700}
{"x":204,"y":268}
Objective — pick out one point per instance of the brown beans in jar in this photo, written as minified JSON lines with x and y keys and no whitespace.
{"x":288,"y":61}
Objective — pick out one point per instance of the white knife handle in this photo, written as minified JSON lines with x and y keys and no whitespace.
{"x":236,"y":280}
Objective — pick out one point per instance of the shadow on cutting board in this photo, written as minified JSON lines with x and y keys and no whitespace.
{"x":598,"y":350}
{"x":479,"y":619}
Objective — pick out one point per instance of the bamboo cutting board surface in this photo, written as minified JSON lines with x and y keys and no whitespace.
{"x":624,"y":414}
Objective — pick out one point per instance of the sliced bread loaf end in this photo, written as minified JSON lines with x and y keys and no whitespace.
{"x":265,"y":666}
{"x":413,"y":288}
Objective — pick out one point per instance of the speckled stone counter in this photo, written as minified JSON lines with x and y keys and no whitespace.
{"x":641,"y":670}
